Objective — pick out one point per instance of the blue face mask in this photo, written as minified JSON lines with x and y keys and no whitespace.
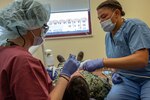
{"x":37,"y":39}
{"x":107,"y":25}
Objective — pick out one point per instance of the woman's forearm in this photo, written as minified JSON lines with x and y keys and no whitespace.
{"x":135,"y":61}
{"x":58,"y":92}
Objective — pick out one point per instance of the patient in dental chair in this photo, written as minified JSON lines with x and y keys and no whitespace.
{"x":85,"y":85}
{"x":98,"y":86}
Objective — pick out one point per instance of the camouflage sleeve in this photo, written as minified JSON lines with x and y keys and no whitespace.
{"x":98,"y":86}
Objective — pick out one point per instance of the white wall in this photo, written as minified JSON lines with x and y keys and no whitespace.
{"x":4,"y":3}
{"x":69,"y":5}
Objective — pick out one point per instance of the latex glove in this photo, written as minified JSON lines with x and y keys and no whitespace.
{"x":92,"y":65}
{"x":70,"y":66}
{"x":116,"y":79}
{"x":52,"y":73}
{"x":82,"y":63}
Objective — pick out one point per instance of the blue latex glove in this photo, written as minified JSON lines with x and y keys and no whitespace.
{"x":92,"y":65}
{"x":70,"y":66}
{"x":116,"y":79}
{"x":50,"y":73}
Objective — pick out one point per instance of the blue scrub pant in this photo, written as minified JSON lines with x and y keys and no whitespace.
{"x":130,"y":90}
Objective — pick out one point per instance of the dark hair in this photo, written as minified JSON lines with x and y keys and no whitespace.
{"x":77,"y":89}
{"x":114,"y":4}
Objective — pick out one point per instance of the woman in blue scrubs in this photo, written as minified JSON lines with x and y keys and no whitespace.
{"x":127,"y":47}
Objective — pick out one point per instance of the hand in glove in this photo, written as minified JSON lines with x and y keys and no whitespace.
{"x":52,"y":73}
{"x":116,"y":79}
{"x":70,"y":66}
{"x":91,"y":65}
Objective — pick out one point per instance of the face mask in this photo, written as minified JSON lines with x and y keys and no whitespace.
{"x":37,"y":40}
{"x":33,"y":49}
{"x":107,"y":25}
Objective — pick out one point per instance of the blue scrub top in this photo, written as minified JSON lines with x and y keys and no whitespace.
{"x":133,"y":35}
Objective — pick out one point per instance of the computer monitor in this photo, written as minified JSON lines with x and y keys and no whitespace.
{"x":72,"y":23}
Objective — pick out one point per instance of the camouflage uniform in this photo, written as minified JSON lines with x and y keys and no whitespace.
{"x":99,"y":87}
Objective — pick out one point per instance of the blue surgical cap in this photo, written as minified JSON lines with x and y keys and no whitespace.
{"x":26,"y":15}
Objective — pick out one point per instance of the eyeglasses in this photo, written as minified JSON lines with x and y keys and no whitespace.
{"x":45,"y":28}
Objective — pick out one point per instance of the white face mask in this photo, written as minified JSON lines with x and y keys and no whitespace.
{"x":107,"y":25}
{"x":37,"y":39}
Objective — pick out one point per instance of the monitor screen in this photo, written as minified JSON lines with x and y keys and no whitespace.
{"x":69,"y":24}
